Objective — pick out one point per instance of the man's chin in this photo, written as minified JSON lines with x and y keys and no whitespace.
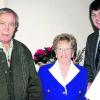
{"x":5,"y":41}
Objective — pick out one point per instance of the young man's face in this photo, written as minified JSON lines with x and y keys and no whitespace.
{"x":7,"y":27}
{"x":95,"y":16}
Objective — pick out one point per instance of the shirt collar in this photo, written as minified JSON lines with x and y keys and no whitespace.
{"x":55,"y":71}
{"x":7,"y":52}
{"x":99,"y":32}
{"x":2,"y":46}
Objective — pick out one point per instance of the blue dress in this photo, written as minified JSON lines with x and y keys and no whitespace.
{"x":54,"y":88}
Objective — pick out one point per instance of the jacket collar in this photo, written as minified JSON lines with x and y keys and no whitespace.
{"x":55,"y":71}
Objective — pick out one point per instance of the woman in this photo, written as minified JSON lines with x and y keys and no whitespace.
{"x":63,"y":80}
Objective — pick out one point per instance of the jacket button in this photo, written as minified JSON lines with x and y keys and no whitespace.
{"x":79,"y":92}
{"x":48,"y":90}
{"x":5,"y":72}
{"x":64,"y":92}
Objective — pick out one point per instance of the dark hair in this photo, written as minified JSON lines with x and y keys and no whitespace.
{"x":95,"y":5}
{"x":8,"y":10}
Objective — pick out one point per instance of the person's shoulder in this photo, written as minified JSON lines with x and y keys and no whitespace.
{"x":46,"y":67}
{"x":93,"y":34}
{"x":81,"y":68}
{"x":20,"y":45}
{"x":22,"y":48}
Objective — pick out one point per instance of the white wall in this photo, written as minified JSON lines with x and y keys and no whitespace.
{"x":41,"y":20}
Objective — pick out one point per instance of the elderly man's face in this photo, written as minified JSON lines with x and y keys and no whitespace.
{"x":7,"y":27}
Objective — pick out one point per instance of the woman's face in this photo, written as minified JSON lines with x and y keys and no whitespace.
{"x":64,"y":51}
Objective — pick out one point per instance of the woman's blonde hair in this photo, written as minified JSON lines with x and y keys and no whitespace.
{"x":65,"y":37}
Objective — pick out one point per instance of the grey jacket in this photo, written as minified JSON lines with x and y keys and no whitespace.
{"x":20,"y":81}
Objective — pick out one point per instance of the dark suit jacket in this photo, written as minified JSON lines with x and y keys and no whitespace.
{"x":89,"y":61}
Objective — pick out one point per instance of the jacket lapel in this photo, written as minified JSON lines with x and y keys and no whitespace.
{"x":94,"y":44}
{"x":55,"y":71}
{"x":3,"y":62}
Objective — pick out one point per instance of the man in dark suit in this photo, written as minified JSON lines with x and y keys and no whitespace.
{"x":90,"y":61}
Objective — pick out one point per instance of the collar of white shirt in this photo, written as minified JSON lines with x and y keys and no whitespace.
{"x":55,"y":71}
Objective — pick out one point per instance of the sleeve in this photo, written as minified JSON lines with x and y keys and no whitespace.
{"x":43,"y":78}
{"x":34,"y":86}
{"x":87,"y":62}
{"x":84,"y":83}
